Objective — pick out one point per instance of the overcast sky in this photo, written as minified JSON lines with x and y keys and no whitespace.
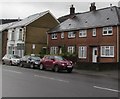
{"x":23,"y":8}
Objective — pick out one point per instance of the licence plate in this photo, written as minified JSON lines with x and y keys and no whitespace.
{"x":69,"y":66}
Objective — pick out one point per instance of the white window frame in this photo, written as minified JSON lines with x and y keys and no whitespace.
{"x":54,"y":36}
{"x":62,"y":35}
{"x":13,"y":35}
{"x":20,"y":34}
{"x":94,"y":32}
{"x":82,"y":52}
{"x":71,"y":49}
{"x":82,"y":33}
{"x":53,"y":50}
{"x":71,"y":34}
{"x":107,"y":29}
{"x":107,"y":51}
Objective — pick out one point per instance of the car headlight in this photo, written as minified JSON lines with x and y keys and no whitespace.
{"x":36,"y":62}
{"x":63,"y":64}
{"x":14,"y":60}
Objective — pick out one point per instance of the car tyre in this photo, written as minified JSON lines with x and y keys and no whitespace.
{"x":41,"y":67}
{"x":21,"y":65}
{"x":56,"y":68}
{"x":3,"y":62}
{"x":31,"y":65}
{"x":10,"y":63}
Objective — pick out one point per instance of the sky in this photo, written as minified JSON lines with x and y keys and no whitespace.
{"x":13,"y":9}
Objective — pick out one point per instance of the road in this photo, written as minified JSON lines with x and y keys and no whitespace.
{"x":25,"y":82}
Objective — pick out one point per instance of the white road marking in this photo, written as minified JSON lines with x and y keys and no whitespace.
{"x":12,"y":71}
{"x":45,"y":77}
{"x":106,"y":89}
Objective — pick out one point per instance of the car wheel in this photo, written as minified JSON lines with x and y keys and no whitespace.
{"x":10,"y":63}
{"x":31,"y":65}
{"x":3,"y":62}
{"x":69,"y":70}
{"x":56,"y":69}
{"x":21,"y":65}
{"x":41,"y":67}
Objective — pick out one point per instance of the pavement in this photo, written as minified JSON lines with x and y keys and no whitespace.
{"x":107,"y":73}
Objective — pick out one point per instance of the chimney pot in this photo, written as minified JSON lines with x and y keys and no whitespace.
{"x":72,"y":10}
{"x":92,"y":7}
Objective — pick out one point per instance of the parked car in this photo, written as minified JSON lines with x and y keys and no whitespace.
{"x":11,"y":59}
{"x":56,"y":63}
{"x":30,"y":61}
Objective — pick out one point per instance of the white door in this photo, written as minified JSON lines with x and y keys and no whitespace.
{"x":94,"y":55}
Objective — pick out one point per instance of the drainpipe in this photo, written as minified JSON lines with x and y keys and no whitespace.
{"x":25,"y":33}
{"x":118,"y":44}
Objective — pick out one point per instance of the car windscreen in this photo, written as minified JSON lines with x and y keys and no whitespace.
{"x":35,"y":58}
{"x":59,"y":58}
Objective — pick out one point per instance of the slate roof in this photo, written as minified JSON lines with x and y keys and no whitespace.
{"x":5,"y":26}
{"x":29,"y":19}
{"x":102,"y":17}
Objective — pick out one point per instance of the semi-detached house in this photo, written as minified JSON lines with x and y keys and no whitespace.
{"x":28,"y":36}
{"x":94,"y":35}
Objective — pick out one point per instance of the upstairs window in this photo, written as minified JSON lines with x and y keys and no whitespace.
{"x":107,"y":31}
{"x":94,"y":32}
{"x":20,"y":34}
{"x":82,"y":33}
{"x":54,"y":36}
{"x":107,"y":51}
{"x":71,"y":34}
{"x":12,"y":35}
{"x":62,"y":35}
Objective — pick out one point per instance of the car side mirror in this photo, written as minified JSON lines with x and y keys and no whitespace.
{"x":29,"y":59}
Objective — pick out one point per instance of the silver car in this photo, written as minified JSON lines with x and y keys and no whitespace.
{"x":11,"y":59}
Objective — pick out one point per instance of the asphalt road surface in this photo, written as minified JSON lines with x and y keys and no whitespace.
{"x":25,"y":82}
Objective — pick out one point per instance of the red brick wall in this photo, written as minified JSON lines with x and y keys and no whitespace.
{"x":88,"y":41}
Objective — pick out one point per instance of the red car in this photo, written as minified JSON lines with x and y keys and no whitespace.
{"x":56,"y":63}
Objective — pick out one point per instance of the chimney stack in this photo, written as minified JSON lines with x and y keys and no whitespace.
{"x":92,"y":7}
{"x":72,"y":10}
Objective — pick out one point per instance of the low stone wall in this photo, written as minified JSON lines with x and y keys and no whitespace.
{"x":97,"y":66}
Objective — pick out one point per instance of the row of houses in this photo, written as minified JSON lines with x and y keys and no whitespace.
{"x":93,"y":36}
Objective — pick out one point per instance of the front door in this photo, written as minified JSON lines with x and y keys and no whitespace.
{"x":94,"y":55}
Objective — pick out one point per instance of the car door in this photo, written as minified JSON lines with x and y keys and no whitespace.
{"x":46,"y":61}
{"x":24,"y":61}
{"x":50,"y":61}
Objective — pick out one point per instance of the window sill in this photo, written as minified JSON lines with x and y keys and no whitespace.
{"x":53,"y":38}
{"x":107,"y":56}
